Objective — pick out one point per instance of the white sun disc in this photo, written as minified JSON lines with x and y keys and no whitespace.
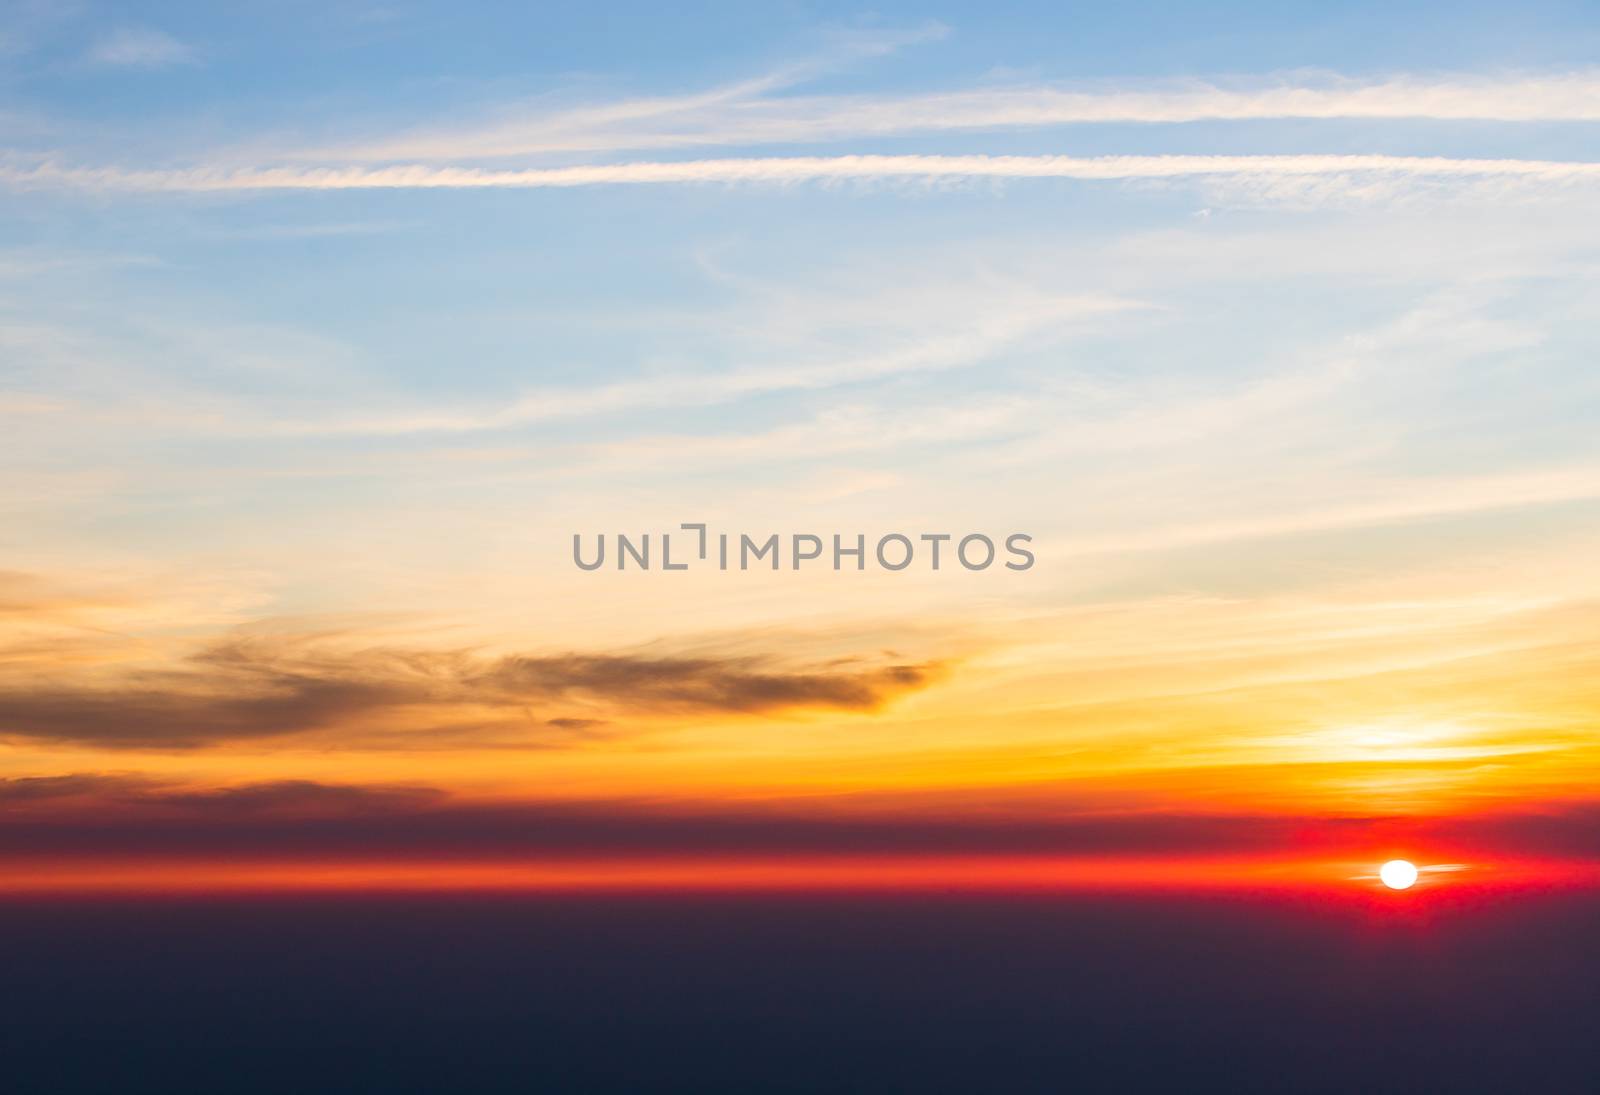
{"x":1397,"y":874}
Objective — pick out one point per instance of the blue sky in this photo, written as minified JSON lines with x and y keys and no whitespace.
{"x":239,"y":330}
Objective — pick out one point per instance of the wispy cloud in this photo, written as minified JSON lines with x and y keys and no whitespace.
{"x":750,"y":113}
{"x":1027,"y":314}
{"x":1393,"y":503}
{"x":137,"y":48}
{"x":643,"y":121}
{"x":1351,"y":173}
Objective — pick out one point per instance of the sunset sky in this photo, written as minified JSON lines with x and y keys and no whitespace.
{"x":325,"y":327}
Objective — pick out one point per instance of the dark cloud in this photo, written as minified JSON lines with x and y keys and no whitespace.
{"x":1559,"y":829}
{"x":579,"y":725}
{"x":93,"y":796}
{"x":257,"y":687}
{"x":702,"y":684}
{"x":22,"y":790}
{"x":107,"y":814}
{"x":123,"y":814}
{"x":299,"y":798}
{"x":181,"y":716}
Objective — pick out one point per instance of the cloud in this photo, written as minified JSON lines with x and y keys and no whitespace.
{"x":320,"y":819}
{"x":1393,"y":502}
{"x":648,"y":121}
{"x":85,"y":811}
{"x":97,"y":797}
{"x":254,"y":687}
{"x":982,"y":323}
{"x":1272,"y":178}
{"x":743,"y":685}
{"x":750,"y":113}
{"x":135,"y":48}
{"x":95,"y":813}
{"x":28,"y":790}
{"x":98,"y":793}
{"x":841,"y":429}
{"x":22,"y":593}
{"x":298,"y":798}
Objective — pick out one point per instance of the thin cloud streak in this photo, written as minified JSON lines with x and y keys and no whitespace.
{"x":746,"y":113}
{"x":800,"y":169}
{"x":1415,"y":500}
{"x":1029,"y":315}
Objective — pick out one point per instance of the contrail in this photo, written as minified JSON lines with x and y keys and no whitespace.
{"x":797,"y":169}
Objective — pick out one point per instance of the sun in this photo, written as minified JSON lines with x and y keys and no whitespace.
{"x":1398,"y":874}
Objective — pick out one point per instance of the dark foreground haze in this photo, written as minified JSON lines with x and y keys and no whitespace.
{"x":783,"y":993}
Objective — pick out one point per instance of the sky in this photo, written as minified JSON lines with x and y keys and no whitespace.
{"x":324,"y":328}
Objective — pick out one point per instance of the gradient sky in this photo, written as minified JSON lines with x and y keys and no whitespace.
{"x":323,"y":327}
